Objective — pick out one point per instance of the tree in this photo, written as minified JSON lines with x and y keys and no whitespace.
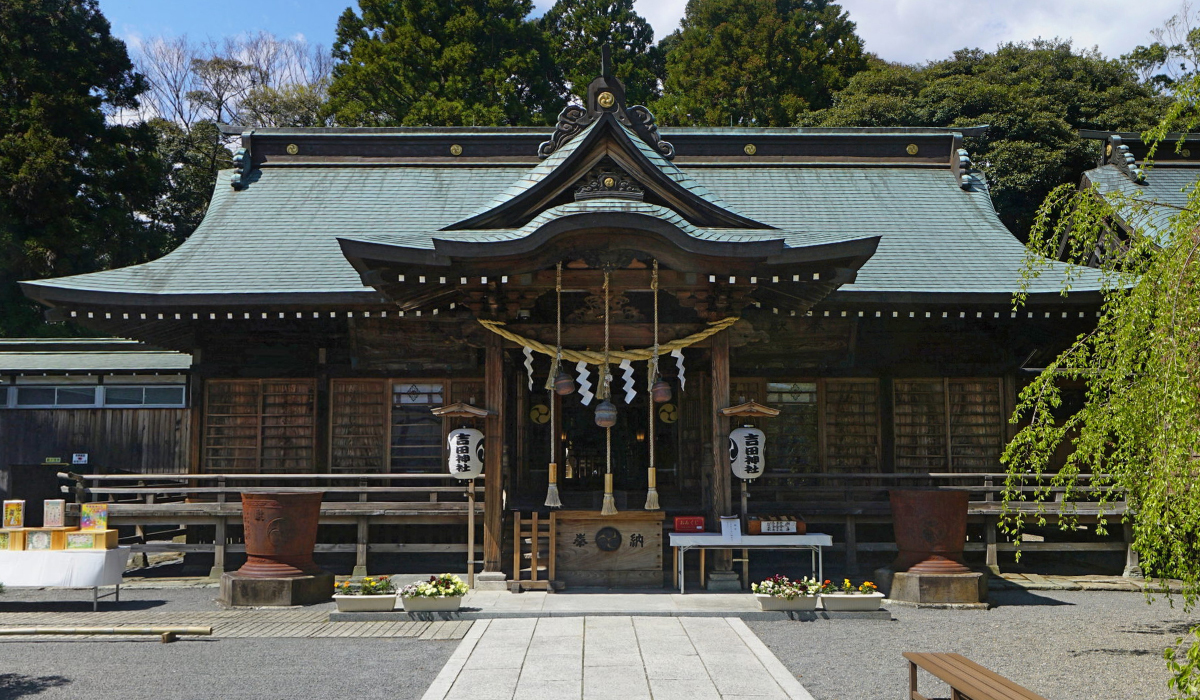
{"x":1174,"y":55}
{"x":578,"y":28}
{"x":1138,"y":432}
{"x":1034,"y":95}
{"x":427,"y":62}
{"x":258,"y":80}
{"x":71,"y":184}
{"x":757,"y":62}
{"x":194,"y":157}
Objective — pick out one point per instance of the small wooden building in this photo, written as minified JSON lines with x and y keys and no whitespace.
{"x":345,"y":282}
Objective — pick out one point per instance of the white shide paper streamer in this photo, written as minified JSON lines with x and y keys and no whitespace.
{"x":585,"y":386}
{"x":630,"y":392}
{"x":529,"y":366}
{"x":678,"y":355}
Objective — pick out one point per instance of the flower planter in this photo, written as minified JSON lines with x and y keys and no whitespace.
{"x":428,"y":604}
{"x":366,"y":603}
{"x":770,"y":602}
{"x":851,"y":602}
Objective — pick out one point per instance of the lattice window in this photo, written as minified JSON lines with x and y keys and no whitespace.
{"x":976,"y":424}
{"x":259,"y":425}
{"x":851,"y":425}
{"x":948,"y":425}
{"x":416,"y":442}
{"x":792,"y":436}
{"x":358,"y":426}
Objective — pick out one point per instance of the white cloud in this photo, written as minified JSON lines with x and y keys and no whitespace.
{"x":914,"y":31}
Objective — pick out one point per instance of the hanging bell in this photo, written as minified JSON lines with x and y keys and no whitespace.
{"x":661,"y":391}
{"x":563,"y":384}
{"x":606,"y":414}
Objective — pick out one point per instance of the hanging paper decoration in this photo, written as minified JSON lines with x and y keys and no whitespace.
{"x":747,"y":456}
{"x":630,"y":392}
{"x":466,"y":453}
{"x":585,"y":386}
{"x":529,"y":366}
{"x":678,"y":355}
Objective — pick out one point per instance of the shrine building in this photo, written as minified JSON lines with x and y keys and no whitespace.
{"x":847,"y":291}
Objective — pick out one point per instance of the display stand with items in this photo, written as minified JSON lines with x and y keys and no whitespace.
{"x":61,"y":556}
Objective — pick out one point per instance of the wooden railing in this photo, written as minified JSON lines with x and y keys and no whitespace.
{"x":362,"y":500}
{"x":852,"y":499}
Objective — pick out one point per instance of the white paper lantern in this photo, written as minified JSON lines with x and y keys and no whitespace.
{"x":747,"y":452}
{"x":466,"y":453}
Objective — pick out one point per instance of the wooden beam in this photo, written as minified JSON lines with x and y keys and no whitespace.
{"x":494,"y":434}
{"x":721,"y":489}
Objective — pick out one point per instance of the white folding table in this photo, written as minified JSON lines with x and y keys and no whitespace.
{"x":63,"y":568}
{"x":681,"y":542}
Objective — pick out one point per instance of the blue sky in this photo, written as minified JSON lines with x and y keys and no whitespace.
{"x":898,"y":30}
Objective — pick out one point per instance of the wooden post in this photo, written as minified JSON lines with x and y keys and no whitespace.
{"x":851,"y":545}
{"x":1133,"y":567}
{"x":471,"y":533}
{"x":360,"y":548}
{"x":494,"y":453}
{"x":990,"y":523}
{"x":218,"y":567}
{"x":721,"y":487}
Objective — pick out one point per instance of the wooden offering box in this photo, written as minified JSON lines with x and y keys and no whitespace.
{"x":622,"y":550}
{"x":43,"y":538}
{"x":12,"y":539}
{"x":92,"y":539}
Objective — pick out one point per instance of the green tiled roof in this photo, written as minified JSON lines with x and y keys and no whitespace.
{"x":279,"y":235}
{"x":1168,"y":184}
{"x":87,"y":355}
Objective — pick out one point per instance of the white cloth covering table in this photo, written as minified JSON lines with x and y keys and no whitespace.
{"x":681,"y":542}
{"x":63,"y":568}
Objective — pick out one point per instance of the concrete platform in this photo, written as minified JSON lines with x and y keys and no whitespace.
{"x":492,"y":605}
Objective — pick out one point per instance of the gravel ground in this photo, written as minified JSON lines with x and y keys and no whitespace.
{"x":230,"y":669}
{"x":1064,"y":645}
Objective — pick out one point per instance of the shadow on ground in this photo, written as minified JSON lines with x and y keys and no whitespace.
{"x":1014,"y":597}
{"x":16,"y":685}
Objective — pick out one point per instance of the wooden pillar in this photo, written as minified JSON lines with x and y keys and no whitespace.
{"x":721,"y":487}
{"x":1133,"y":567}
{"x":851,"y":545}
{"x":494,"y":453}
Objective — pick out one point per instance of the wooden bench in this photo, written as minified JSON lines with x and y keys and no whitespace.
{"x":967,"y":679}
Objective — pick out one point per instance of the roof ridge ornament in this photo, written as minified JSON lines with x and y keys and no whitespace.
{"x":605,"y":94}
{"x":1118,"y":154}
{"x":608,"y":180}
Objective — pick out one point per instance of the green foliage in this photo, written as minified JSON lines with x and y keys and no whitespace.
{"x":1138,"y":433}
{"x":193,"y":158}
{"x":71,"y":185}
{"x":1035,"y":96}
{"x":757,"y":62}
{"x":578,"y":28}
{"x":1174,"y":55}
{"x":288,"y":105}
{"x":428,"y":62}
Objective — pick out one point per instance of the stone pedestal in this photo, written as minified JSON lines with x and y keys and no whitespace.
{"x":491,"y":581}
{"x":724,"y":582}
{"x":934,"y":589}
{"x":238,"y":590}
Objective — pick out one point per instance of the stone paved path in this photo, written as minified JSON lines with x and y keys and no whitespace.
{"x":622,"y":658}
{"x":234,"y":624}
